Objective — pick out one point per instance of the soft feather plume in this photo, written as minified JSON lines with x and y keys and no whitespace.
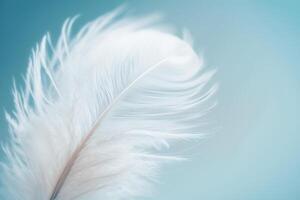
{"x":97,"y":107}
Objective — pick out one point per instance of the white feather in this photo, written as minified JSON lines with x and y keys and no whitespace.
{"x":96,"y":108}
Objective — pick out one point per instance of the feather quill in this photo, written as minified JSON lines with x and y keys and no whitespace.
{"x":97,"y":107}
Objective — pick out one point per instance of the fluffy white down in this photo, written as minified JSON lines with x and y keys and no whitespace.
{"x":97,"y":107}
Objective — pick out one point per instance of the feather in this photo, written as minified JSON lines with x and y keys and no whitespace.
{"x":98,"y":107}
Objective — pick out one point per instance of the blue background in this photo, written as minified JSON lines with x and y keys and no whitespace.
{"x":255,"y":45}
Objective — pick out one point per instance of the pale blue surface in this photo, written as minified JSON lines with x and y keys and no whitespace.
{"x":254,"y":45}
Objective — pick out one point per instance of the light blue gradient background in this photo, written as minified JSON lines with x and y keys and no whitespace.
{"x":254,"y":45}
